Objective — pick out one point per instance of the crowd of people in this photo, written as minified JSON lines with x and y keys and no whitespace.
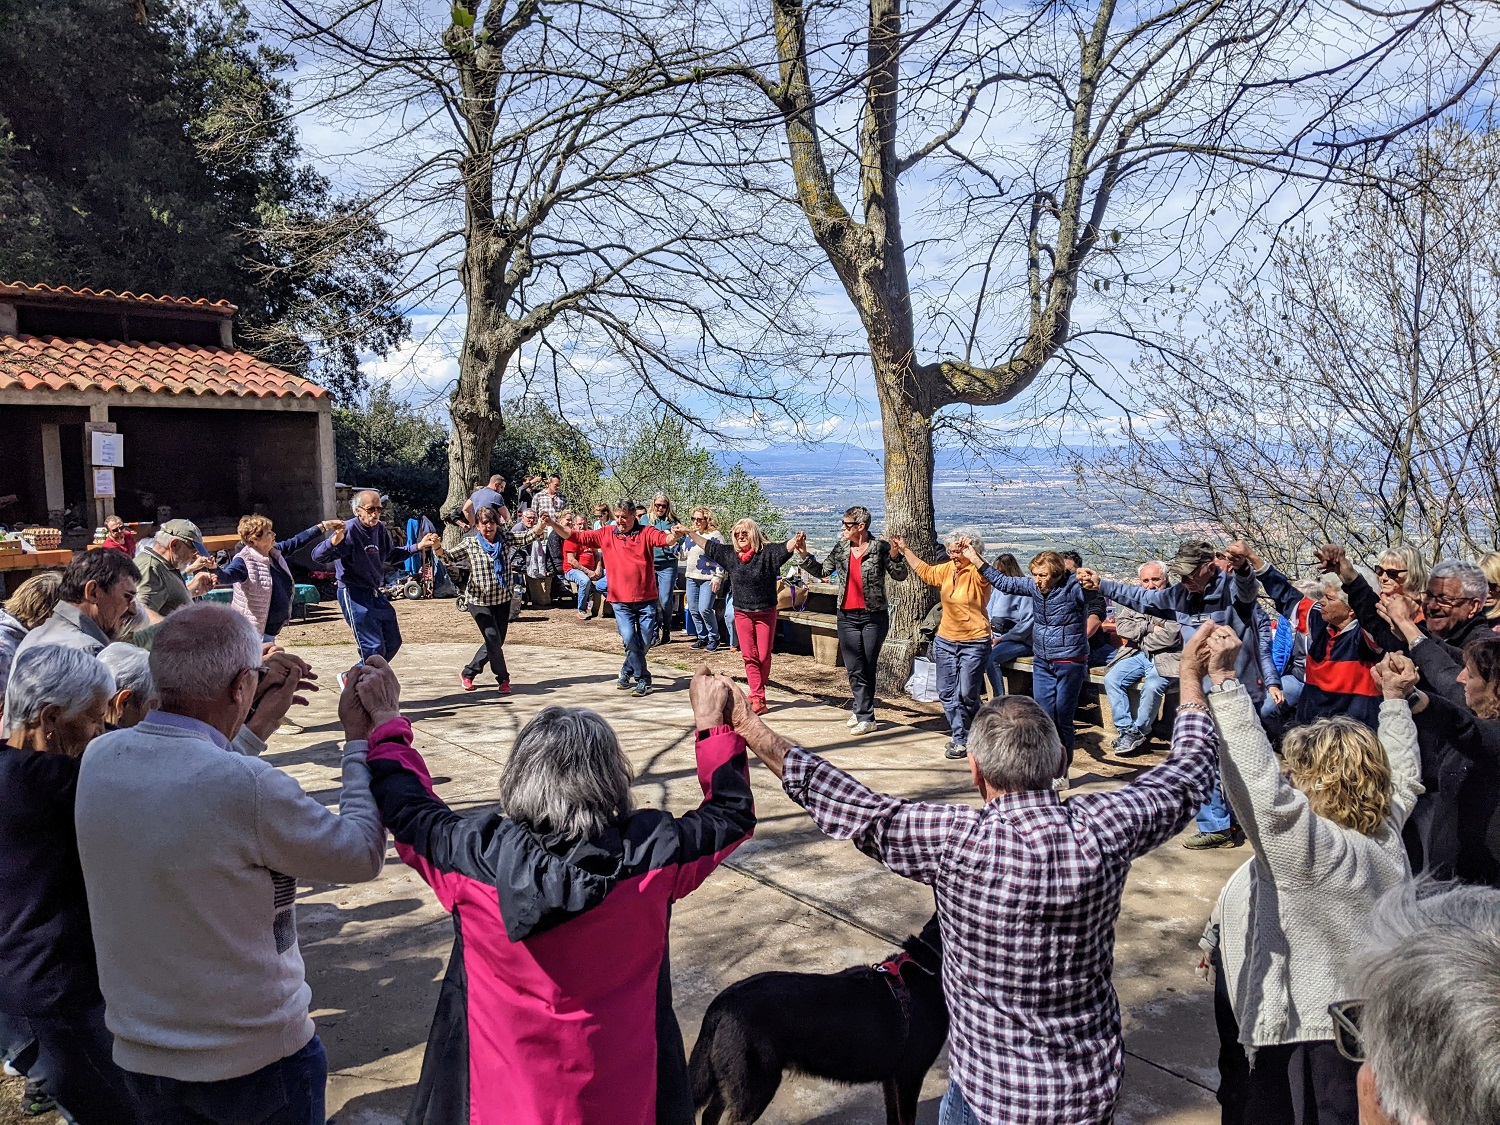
{"x":1346,"y":729}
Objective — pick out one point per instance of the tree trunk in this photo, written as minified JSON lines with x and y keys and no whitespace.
{"x":474,"y":408}
{"x":909,"y":464}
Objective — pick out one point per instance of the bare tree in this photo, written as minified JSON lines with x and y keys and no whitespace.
{"x":1348,"y":392}
{"x":569,"y":166}
{"x":1059,"y":148}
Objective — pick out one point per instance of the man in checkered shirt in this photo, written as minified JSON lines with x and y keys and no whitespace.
{"x":1028,"y":890}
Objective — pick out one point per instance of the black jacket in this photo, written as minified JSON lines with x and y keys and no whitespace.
{"x":46,"y":943}
{"x":1455,"y":830}
{"x":876,"y":565}
{"x":1364,"y":601}
{"x":754,"y":581}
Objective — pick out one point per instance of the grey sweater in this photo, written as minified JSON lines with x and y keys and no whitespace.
{"x":192,"y":850}
{"x":1312,"y":882}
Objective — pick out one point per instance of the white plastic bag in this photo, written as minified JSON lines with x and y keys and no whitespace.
{"x":922,"y":684}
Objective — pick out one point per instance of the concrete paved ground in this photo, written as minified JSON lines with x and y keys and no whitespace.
{"x":788,"y":899}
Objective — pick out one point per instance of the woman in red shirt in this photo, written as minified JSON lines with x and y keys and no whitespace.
{"x":583,"y":567}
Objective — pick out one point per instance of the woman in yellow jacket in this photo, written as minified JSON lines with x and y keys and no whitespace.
{"x":962,"y":646}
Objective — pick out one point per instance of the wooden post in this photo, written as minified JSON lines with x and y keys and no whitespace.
{"x":52,"y":471}
{"x":99,"y":506}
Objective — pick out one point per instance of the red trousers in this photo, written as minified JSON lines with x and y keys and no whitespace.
{"x":755,"y":631}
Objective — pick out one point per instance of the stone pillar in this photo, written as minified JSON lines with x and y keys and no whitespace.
{"x":327,"y":463}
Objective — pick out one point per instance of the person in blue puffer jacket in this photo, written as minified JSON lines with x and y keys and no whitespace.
{"x":1059,"y":636}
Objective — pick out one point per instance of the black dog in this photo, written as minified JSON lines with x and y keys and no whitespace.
{"x":883,"y":1024}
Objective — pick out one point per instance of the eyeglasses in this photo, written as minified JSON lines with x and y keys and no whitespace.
{"x":659,"y":507}
{"x":700,"y":519}
{"x":1387,"y":572}
{"x":849,"y":523}
{"x":1445,"y":602}
{"x":376,"y":508}
{"x":1346,"y":1019}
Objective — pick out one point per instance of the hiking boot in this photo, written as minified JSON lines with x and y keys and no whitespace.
{"x":1132,"y":742}
{"x":1204,"y":841}
{"x":467,"y":680}
{"x":624,"y":682}
{"x":955,"y":751}
{"x":642,"y":689}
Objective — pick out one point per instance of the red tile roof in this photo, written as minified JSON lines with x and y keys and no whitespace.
{"x":43,"y":363}
{"x":30,"y":291}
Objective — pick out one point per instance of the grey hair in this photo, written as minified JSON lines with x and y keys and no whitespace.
{"x":1471,"y":577}
{"x":131,"y":668}
{"x":1152,"y":562}
{"x":1428,"y":978}
{"x":969,"y":533}
{"x":1015,"y":744}
{"x":859,"y":514}
{"x":567,"y":775}
{"x":199,"y":650}
{"x":164,"y":539}
{"x":67,"y":678}
{"x":1411,"y":561}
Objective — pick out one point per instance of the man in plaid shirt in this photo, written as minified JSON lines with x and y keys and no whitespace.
{"x":1028,"y":890}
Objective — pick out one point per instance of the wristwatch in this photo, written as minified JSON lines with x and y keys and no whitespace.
{"x":1225,"y":686}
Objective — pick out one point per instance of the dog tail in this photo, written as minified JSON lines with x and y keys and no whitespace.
{"x":705,"y":1083}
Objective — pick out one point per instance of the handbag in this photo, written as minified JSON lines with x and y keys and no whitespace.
{"x":921,"y":685}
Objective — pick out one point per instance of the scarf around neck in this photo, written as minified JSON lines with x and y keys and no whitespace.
{"x":496,"y":552}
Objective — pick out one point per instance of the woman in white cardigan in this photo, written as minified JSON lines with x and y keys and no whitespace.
{"x":1326,"y":834}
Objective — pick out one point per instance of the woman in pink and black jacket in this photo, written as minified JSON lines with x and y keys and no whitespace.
{"x":557,"y":1003}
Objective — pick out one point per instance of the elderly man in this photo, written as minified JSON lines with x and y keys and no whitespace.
{"x":1148,"y":657}
{"x":96,"y":598}
{"x":360,"y":551}
{"x":1028,"y":889}
{"x":1427,"y":1002}
{"x":192,"y":848}
{"x":628,"y":549}
{"x":177,"y":549}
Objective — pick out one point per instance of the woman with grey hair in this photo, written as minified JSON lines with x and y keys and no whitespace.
{"x":135,"y":693}
{"x":558,"y":1000}
{"x":54,"y":706}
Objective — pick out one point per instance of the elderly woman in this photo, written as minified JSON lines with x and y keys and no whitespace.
{"x":704,"y":577}
{"x":753,"y":566}
{"x":31,"y":605}
{"x":262,"y":580}
{"x":1401,"y":570}
{"x":54,"y":705}
{"x":1489,"y":562}
{"x":558,"y":1004}
{"x":1059,"y":637}
{"x":485,"y":557}
{"x":135,"y":694}
{"x":1324,"y":820}
{"x":961,"y":648}
{"x":861,"y":566}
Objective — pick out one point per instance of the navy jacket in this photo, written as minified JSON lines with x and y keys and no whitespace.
{"x":360,"y":559}
{"x":1059,"y":618}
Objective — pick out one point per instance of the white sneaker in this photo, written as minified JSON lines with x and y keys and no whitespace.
{"x":852,"y":721}
{"x":1060,"y":784}
{"x":864,"y":728}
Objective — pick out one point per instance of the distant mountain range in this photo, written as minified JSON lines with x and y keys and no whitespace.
{"x":832,"y":456}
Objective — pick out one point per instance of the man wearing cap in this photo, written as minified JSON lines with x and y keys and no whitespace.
{"x":360,"y":551}
{"x":176,"y":550}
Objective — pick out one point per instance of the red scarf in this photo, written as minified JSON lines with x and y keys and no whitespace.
{"x":745,"y":556}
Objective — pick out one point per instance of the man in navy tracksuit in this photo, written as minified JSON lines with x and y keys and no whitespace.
{"x":360,"y":551}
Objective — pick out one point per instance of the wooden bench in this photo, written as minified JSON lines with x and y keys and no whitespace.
{"x":1016,"y":676}
{"x":809,"y":633}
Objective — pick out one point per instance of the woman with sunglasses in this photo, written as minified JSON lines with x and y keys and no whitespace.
{"x":704,"y":578}
{"x":1325,"y":821}
{"x":1401,"y":570}
{"x":1490,"y":564}
{"x":861,"y":566}
{"x":661,"y":516}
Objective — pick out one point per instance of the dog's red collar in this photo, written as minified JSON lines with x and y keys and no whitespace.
{"x":891,"y":970}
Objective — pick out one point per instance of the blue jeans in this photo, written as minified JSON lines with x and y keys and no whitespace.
{"x":700,"y":610}
{"x":586,"y":586}
{"x":373,"y":620}
{"x":954,"y":1110}
{"x":1003,"y":652}
{"x":666,"y":579}
{"x":1291,"y":687}
{"x":1124,"y":674}
{"x":1056,"y":686}
{"x":288,"y":1092}
{"x":960,"y":668}
{"x":637,"y":624}
{"x":729,"y":619}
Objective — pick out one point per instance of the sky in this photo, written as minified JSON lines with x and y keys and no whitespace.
{"x":424,"y":367}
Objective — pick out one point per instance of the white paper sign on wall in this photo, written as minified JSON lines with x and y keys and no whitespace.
{"x":108,"y":449}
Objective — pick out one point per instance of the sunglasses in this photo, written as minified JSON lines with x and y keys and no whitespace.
{"x":849,"y":523}
{"x":1346,"y":1018}
{"x":700,"y":519}
{"x":376,"y":508}
{"x":1387,"y":572}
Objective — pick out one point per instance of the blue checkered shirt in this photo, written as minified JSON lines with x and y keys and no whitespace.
{"x":1028,"y":892}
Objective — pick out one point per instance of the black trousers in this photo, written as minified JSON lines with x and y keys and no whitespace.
{"x":1302,"y":1084}
{"x":1234,"y":1066}
{"x":494,"y":623}
{"x":73,"y":1062}
{"x":861,"y":633}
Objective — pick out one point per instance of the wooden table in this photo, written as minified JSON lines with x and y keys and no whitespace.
{"x":22,"y":564}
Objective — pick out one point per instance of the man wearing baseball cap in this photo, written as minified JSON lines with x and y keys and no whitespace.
{"x":177,"y":549}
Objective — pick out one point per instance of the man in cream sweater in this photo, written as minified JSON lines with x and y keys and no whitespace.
{"x":192,"y":848}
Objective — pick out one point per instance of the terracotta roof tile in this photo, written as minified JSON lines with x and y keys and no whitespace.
{"x":25,"y":289}
{"x":54,"y":363}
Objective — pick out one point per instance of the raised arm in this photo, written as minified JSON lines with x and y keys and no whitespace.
{"x":303,"y":538}
{"x":895,"y":562}
{"x":1281,"y":591}
{"x":1157,"y":603}
{"x":726,"y":818}
{"x":337,"y":546}
{"x":1396,"y":677}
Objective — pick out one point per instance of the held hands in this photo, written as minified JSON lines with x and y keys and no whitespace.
{"x":1223,"y":653}
{"x":1400,"y":612}
{"x":897,"y":542}
{"x":338,"y":533}
{"x":201,"y":584}
{"x":1088,"y":579}
{"x":371,"y":697}
{"x":712,"y":699}
{"x":327,"y":526}
{"x":972,"y":555}
{"x":1237,"y":555}
{"x":430,"y":541}
{"x":1396,"y":676}
{"x":797,"y":544}
{"x":1196,"y":653}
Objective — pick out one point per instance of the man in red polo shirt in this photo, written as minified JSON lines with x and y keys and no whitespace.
{"x":627,"y":547}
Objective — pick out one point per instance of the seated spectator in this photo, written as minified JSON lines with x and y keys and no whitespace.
{"x":1401,"y":570}
{"x":1428,"y":1001}
{"x":1456,"y":832}
{"x":192,"y":848}
{"x":1010,"y":625}
{"x":262,"y":580}
{"x":1028,"y":889}
{"x":54,"y":706}
{"x":1327,"y":841}
{"x":27,"y":608}
{"x":135,"y":694}
{"x":1340,"y":653}
{"x":118,"y":537}
{"x":583,"y":566}
{"x":570,"y":868}
{"x":176,"y":550}
{"x":95,"y":599}
{"x":1151,"y":645}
